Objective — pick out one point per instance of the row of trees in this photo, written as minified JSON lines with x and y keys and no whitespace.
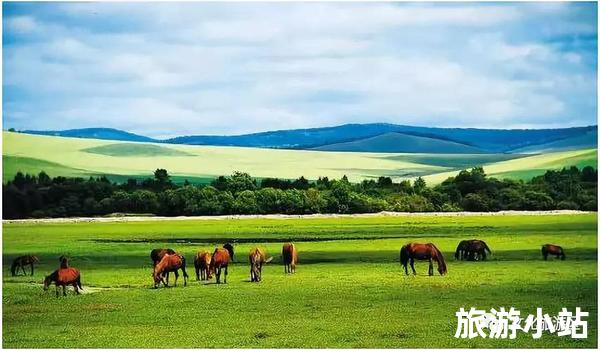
{"x":471,"y":190}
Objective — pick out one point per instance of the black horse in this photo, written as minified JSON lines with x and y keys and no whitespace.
{"x":229,"y":248}
{"x":473,"y":249}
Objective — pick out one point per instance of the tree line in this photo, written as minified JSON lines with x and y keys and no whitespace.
{"x":39,"y":196}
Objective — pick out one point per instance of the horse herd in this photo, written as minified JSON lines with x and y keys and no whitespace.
{"x":167,"y":260}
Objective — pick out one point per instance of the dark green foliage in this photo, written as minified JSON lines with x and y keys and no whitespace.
{"x":471,"y":190}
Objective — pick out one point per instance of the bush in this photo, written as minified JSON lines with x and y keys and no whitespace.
{"x":567,"y":205}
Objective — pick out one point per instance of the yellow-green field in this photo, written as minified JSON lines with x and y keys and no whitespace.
{"x":82,"y":157}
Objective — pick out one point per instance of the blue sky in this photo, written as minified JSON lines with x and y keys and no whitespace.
{"x":165,"y":69}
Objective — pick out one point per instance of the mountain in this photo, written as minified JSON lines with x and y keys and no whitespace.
{"x":428,"y":140}
{"x":588,"y":139}
{"x":95,"y":133}
{"x":490,"y":140}
{"x":401,"y":143}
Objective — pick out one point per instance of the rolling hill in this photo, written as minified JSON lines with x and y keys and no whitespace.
{"x":120,"y":160}
{"x":401,"y":143}
{"x":359,"y":138}
{"x":95,"y":133}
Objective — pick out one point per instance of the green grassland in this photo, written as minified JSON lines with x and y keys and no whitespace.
{"x":83,"y":157}
{"x":349,"y":290}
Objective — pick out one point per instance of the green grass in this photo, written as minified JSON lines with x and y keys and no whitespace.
{"x":90,"y":156}
{"x":349,"y":290}
{"x":135,"y":150}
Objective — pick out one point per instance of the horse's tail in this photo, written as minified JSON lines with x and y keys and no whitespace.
{"x":183,"y":266}
{"x":440,"y":260}
{"x":562,"y":254}
{"x":485,"y":246}
{"x":268,"y":260}
{"x":404,"y":255}
{"x":13,"y":267}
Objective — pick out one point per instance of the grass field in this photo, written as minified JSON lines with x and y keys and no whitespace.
{"x":85,"y":157}
{"x":348,"y":291}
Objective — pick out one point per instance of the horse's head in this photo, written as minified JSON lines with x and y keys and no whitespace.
{"x":47,"y":282}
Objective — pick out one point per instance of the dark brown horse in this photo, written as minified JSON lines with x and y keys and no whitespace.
{"x":229,"y":248}
{"x":202,"y":265}
{"x":21,"y":262}
{"x":220,"y":260}
{"x":473,"y":249}
{"x":290,"y":257}
{"x":554,"y":250}
{"x":63,"y":278}
{"x":169,"y":263}
{"x":422,"y":251}
{"x":257,"y":258}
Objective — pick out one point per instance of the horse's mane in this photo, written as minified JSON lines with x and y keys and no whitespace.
{"x":486,"y":247}
{"x":440,"y":259}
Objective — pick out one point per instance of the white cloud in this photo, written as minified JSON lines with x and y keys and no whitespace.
{"x":168,"y":69}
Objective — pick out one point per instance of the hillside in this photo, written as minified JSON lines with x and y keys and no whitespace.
{"x":85,"y":157}
{"x":587,"y":140}
{"x":95,"y":133}
{"x":483,"y":140}
{"x":402,"y":143}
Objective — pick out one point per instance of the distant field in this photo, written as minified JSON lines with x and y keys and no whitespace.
{"x":349,"y":289}
{"x":121,"y":160}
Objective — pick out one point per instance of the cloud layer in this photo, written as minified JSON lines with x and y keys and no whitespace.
{"x":206,"y":68}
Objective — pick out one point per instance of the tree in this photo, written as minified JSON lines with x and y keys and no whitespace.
{"x":419,"y":185}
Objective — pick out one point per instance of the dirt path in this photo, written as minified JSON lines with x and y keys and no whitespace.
{"x":282,"y":216}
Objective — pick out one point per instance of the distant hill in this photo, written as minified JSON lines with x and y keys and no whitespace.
{"x":402,"y":143}
{"x":95,"y":133}
{"x":588,"y":139}
{"x":489,"y":140}
{"x":329,"y":138}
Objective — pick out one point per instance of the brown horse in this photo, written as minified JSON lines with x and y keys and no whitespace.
{"x":157,"y":254}
{"x":220,"y":260}
{"x":202,"y":265}
{"x":257,"y":258}
{"x":21,"y":262}
{"x":473,"y":249}
{"x":554,"y":250}
{"x":169,"y":263}
{"x":63,"y":278}
{"x":290,"y":257}
{"x":422,"y":251}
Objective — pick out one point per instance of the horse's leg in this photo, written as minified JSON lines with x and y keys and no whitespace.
{"x":176,"y":277}
{"x":225,"y":279}
{"x":32,"y":269}
{"x":76,"y":289}
{"x":412,"y":265}
{"x":23,"y":269}
{"x":483,"y":255}
{"x":218,"y":273}
{"x":430,"y":267}
{"x":64,"y":290}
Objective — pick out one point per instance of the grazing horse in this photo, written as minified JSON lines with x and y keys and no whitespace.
{"x":21,"y":262}
{"x":473,"y":249}
{"x":220,"y":260}
{"x":290,"y":257}
{"x":229,"y":248}
{"x":202,"y":265}
{"x":422,"y":251}
{"x":257,"y":258}
{"x":157,"y":254}
{"x":554,"y":250}
{"x":63,"y":278}
{"x":169,"y":263}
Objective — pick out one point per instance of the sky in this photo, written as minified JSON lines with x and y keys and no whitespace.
{"x":169,"y":69}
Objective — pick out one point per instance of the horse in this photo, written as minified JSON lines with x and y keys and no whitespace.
{"x":63,"y":278}
{"x":229,"y":248}
{"x":257,"y":258}
{"x":473,"y":249}
{"x":21,"y":262}
{"x":422,"y":251}
{"x":554,"y":250}
{"x":169,"y":263}
{"x":220,"y":260}
{"x":157,"y":254}
{"x":64,"y":261}
{"x":202,"y":265}
{"x":290,"y":257}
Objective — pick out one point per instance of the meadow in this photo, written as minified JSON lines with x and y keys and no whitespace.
{"x":349,"y":289}
{"x":62,"y":156}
